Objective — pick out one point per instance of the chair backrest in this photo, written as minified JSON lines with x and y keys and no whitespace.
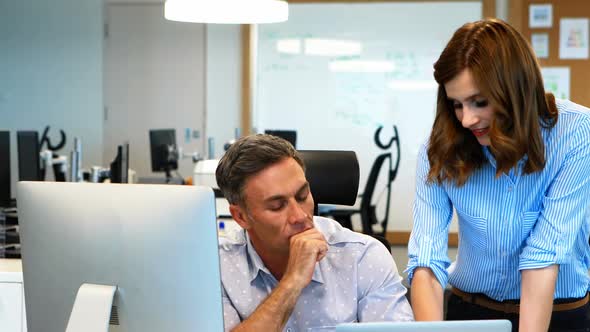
{"x":289,"y":135}
{"x":334,"y":179}
{"x":333,"y":176}
{"x":373,"y":176}
{"x":368,"y":217}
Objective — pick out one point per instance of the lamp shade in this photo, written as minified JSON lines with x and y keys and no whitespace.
{"x":226,"y":11}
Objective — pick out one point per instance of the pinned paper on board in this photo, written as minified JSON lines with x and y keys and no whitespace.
{"x":540,"y":42}
{"x":573,"y":38}
{"x":557,"y":81}
{"x":541,"y":16}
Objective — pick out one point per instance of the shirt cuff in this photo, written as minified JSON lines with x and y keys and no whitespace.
{"x":537,"y":259}
{"x":439,"y":270}
{"x":534,"y":257}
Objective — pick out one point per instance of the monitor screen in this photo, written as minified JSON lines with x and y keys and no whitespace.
{"x":163,"y":149}
{"x":120,"y":166}
{"x":157,"y":244}
{"x":289,"y":135}
{"x":5,"y":194}
{"x":495,"y":325}
{"x":29,"y":168}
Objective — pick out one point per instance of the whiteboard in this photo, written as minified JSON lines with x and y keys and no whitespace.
{"x":336,"y":72}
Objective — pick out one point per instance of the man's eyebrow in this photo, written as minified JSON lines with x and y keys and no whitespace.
{"x":303,"y":188}
{"x":274,"y":198}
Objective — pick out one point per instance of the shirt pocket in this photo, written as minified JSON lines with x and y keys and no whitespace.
{"x":473,"y":230}
{"x":529,"y":219}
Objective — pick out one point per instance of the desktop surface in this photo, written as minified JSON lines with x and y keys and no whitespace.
{"x":11,"y":270}
{"x":444,"y":326}
{"x":157,"y":244}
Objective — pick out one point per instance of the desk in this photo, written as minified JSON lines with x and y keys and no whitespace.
{"x":12,"y":304}
{"x":12,"y":299}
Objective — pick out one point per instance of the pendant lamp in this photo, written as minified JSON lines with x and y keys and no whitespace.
{"x":226,"y":11}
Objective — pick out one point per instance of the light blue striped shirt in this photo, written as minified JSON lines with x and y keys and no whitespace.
{"x":356,"y":281}
{"x":514,"y":222}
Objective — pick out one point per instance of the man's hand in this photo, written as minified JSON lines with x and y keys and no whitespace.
{"x":306,"y":249}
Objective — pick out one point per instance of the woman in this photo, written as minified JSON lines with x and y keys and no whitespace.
{"x":514,"y":163}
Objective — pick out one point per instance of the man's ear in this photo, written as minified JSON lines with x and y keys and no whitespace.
{"x":240,"y":215}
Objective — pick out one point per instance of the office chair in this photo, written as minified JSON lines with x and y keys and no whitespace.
{"x":333,"y":178}
{"x":367,"y":209}
{"x":289,"y":135}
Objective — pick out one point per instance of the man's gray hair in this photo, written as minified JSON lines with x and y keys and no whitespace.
{"x":248,"y":156}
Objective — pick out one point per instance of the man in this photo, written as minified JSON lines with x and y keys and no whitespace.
{"x":288,"y":270}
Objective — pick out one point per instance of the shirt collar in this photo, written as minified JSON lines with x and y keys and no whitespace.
{"x":489,"y":155}
{"x":519,"y":165}
{"x":256,"y":265}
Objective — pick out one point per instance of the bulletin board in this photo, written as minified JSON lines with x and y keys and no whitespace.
{"x":579,"y":68}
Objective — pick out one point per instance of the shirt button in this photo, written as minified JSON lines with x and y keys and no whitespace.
{"x":289,"y":329}
{"x":510,"y":188}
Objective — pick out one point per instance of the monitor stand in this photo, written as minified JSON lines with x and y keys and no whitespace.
{"x":92,"y":308}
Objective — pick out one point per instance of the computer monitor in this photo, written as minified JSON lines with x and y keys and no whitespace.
{"x":163,"y":150}
{"x":289,"y":135}
{"x":5,"y":194}
{"x":29,"y":168}
{"x":120,"y":166}
{"x":157,"y":244}
{"x":497,"y":325}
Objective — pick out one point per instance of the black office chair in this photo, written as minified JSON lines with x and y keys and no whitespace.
{"x":333,"y":177}
{"x":367,"y":209}
{"x":289,"y":135}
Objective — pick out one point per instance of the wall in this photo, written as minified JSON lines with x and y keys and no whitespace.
{"x":51,"y":72}
{"x":335,"y":103}
{"x":154,"y":77}
{"x":223,"y":66}
{"x":502,"y":9}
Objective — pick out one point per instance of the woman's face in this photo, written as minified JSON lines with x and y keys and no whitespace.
{"x":471,"y":108}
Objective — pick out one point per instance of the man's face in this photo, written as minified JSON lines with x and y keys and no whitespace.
{"x":278,"y":205}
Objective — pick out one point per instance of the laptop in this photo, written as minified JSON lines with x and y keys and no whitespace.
{"x":497,"y":325}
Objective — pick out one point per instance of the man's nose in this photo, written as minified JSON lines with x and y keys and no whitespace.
{"x":296,"y":213}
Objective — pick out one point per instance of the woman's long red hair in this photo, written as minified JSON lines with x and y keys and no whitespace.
{"x":506,"y":72}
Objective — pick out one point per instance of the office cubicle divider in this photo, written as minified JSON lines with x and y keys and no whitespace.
{"x":5,"y":187}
